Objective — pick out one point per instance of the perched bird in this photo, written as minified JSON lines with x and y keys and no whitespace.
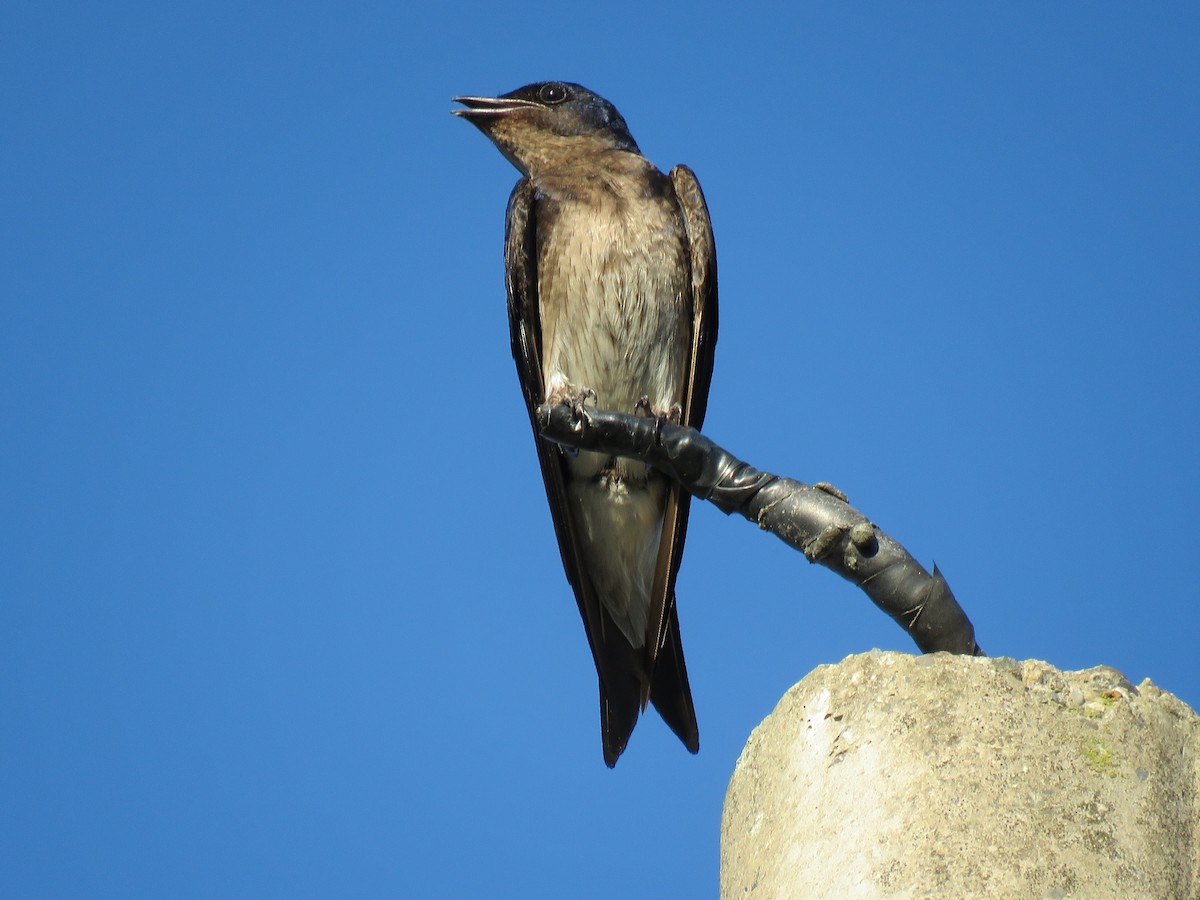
{"x":612,"y":298}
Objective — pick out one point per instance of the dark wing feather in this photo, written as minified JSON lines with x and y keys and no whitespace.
{"x":617,"y":664}
{"x":669,"y":689}
{"x":703,"y":253}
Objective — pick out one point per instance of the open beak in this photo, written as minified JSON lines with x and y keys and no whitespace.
{"x":481,"y":109}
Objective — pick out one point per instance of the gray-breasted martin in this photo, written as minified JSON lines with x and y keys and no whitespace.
{"x":612,"y":298}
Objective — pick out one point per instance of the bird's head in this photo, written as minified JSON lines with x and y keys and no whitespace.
{"x":546,"y":124}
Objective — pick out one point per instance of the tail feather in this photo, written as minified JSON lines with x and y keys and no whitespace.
{"x":669,"y":689}
{"x":621,"y":671}
{"x":624,"y":685}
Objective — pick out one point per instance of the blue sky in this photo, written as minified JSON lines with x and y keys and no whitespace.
{"x":281,"y":611}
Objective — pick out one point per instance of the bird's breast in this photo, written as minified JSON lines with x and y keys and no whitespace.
{"x":614,"y":291}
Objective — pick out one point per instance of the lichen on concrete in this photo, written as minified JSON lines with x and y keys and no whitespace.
{"x":1101,"y":758}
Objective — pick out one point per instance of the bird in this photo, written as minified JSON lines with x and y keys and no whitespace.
{"x":611,"y":277}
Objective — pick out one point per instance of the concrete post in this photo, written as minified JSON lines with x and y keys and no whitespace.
{"x":890,"y":775}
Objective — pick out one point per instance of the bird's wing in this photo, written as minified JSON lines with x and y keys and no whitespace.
{"x":669,"y":689}
{"x":617,"y":664}
{"x":703,"y":254}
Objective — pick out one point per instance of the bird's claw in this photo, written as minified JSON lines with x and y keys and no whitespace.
{"x":673,"y":415}
{"x":580,"y":417}
{"x":643,"y":408}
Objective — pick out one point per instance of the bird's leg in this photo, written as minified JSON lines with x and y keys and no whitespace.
{"x":566,"y":394}
{"x":643,"y":408}
{"x":673,"y":415}
{"x":582,"y":417}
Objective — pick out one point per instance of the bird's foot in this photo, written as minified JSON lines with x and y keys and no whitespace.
{"x":643,"y":408}
{"x":673,"y":415}
{"x":580,"y":417}
{"x":562,"y":392}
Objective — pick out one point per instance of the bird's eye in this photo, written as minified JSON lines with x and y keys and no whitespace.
{"x":552,"y":93}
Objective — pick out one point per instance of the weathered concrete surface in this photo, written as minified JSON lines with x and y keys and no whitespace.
{"x":890,"y":775}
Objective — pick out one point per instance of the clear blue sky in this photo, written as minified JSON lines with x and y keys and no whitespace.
{"x":281,"y":612}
